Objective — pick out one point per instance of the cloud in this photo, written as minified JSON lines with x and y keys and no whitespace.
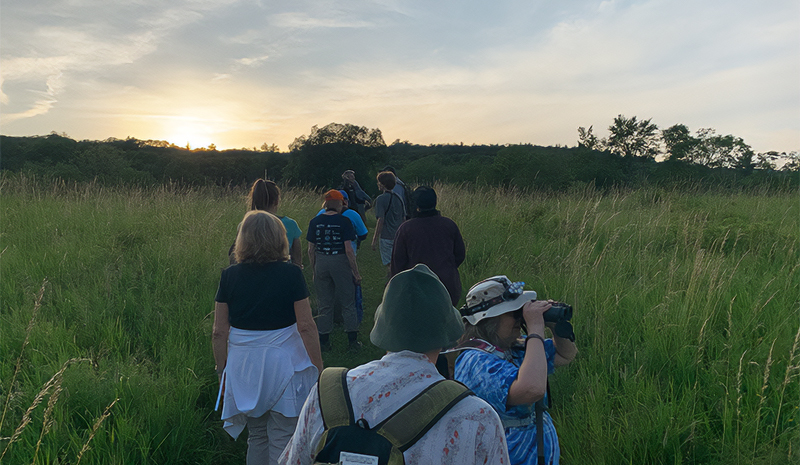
{"x":79,"y":40}
{"x":303,"y":20}
{"x":254,"y":61}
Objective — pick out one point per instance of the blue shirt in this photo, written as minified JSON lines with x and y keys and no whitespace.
{"x":292,"y":229}
{"x":490,"y":378}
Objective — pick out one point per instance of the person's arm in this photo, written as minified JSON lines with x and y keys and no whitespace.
{"x":297,"y":253}
{"x":219,"y":336}
{"x":459,"y":249}
{"x":312,"y":258}
{"x":360,"y":192}
{"x":308,"y":331}
{"x":399,"y":253}
{"x":566,"y":350}
{"x":377,"y":234}
{"x":351,"y":257}
{"x":531,"y":382}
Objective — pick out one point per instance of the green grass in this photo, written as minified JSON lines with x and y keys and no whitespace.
{"x":687,"y":312}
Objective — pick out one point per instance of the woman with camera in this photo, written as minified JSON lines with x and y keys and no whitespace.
{"x":505,"y":360}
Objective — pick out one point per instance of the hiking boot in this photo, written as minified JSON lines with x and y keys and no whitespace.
{"x":354,"y":347}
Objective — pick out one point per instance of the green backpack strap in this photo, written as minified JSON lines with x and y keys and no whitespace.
{"x":407,"y":425}
{"x":334,"y":399}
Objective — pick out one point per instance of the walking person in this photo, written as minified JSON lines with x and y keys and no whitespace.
{"x":361,"y":234}
{"x":264,"y":339}
{"x":432,"y":239}
{"x":335,"y":270}
{"x":359,"y":200}
{"x":390,"y":213}
{"x":413,"y":323}
{"x":265,"y":195}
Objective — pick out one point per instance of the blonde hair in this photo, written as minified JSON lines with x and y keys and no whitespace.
{"x":261,"y":239}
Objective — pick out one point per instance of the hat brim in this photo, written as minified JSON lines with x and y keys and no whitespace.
{"x":501,"y":308}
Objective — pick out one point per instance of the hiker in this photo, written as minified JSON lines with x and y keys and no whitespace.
{"x":264,"y":340}
{"x":413,"y":323}
{"x":265,"y":195}
{"x":390,"y":214}
{"x":401,"y":190}
{"x":359,"y":200}
{"x":509,"y":371}
{"x":432,"y":239}
{"x":354,"y":217}
{"x":361,"y":234}
{"x":335,"y":270}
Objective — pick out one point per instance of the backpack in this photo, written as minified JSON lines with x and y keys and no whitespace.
{"x":346,"y":440}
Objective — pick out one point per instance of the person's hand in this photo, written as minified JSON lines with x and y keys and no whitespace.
{"x":532,"y":313}
{"x":356,"y":278}
{"x":374,"y":246}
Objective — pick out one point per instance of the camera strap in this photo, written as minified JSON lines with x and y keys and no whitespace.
{"x":539,"y":408}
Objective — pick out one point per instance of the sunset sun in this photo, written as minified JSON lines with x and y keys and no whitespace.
{"x":194,"y":131}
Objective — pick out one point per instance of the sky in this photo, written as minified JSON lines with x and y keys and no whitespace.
{"x":241,"y":73}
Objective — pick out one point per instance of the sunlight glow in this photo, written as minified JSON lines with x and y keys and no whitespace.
{"x":196,"y":132}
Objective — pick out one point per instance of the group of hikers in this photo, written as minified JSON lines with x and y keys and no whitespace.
{"x":456,"y":386}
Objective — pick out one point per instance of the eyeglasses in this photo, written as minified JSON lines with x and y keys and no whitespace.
{"x":511,"y":292}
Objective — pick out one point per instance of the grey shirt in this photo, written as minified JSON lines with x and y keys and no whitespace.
{"x":390,"y":207}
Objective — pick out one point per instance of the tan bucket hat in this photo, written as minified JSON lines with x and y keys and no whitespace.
{"x":494,"y":296}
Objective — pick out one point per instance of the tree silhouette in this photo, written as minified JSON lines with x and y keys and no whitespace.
{"x":631,"y":138}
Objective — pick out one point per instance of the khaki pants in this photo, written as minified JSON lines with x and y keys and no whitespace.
{"x":267,"y":437}
{"x":333,"y":280}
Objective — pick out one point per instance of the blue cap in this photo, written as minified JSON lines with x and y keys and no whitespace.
{"x":344,"y":194}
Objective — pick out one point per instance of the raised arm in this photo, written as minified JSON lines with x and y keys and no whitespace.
{"x":531,"y":382}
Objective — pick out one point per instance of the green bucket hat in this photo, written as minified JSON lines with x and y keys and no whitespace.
{"x":416,"y":314}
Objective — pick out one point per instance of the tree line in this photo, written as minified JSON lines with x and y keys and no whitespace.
{"x":626,"y":158}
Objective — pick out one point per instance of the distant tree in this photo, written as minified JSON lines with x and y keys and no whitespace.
{"x":321,"y":157}
{"x":340,"y":133}
{"x":270,"y":148}
{"x":718,"y":151}
{"x":588,"y":140}
{"x":793,"y":162}
{"x":768,"y":160}
{"x":631,"y":138}
{"x":679,"y":142}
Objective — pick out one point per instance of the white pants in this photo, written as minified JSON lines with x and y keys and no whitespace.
{"x":267,"y":437}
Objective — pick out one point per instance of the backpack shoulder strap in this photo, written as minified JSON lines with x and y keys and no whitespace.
{"x":407,"y":425}
{"x":334,"y":399}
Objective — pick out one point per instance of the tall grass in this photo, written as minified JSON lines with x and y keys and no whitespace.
{"x":686,"y":312}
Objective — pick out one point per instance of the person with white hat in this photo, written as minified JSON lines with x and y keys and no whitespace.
{"x":508,"y":368}
{"x":413,"y":323}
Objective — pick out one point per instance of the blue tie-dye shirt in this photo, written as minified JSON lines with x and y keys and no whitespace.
{"x":490,"y":378}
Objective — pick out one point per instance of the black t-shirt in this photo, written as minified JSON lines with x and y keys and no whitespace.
{"x":261,"y":296}
{"x":329,"y":233}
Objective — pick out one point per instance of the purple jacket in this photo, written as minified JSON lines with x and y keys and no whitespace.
{"x":434,"y":240}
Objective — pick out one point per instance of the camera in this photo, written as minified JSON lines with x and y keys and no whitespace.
{"x":557,"y":312}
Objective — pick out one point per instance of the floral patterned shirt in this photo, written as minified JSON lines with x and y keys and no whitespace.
{"x":469,"y":433}
{"x":489,"y":376}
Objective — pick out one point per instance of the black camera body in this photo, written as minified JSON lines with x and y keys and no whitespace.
{"x":559,"y":311}
{"x":560,"y":314}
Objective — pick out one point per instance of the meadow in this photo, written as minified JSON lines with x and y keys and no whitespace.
{"x":687,"y":316}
